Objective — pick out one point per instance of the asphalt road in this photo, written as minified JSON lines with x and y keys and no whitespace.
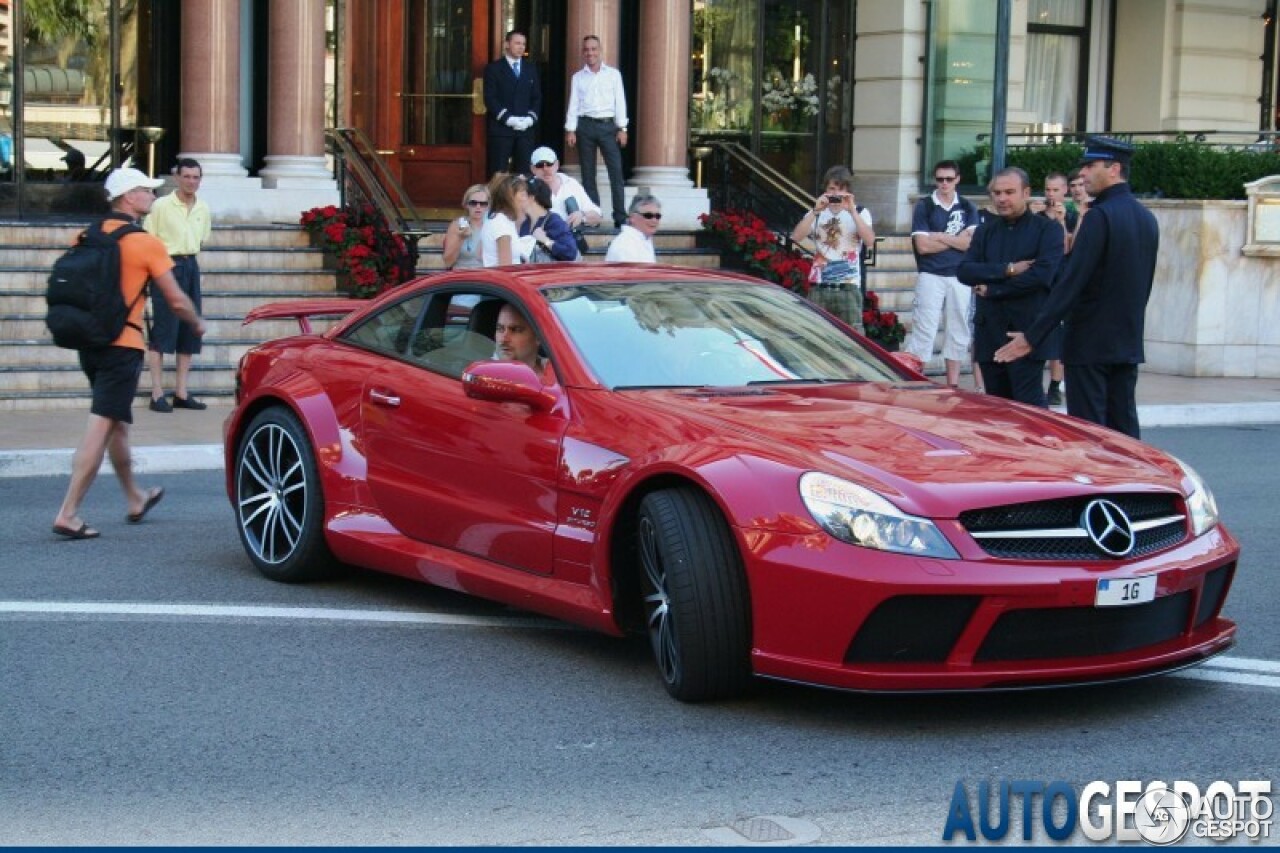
{"x":463,"y":722}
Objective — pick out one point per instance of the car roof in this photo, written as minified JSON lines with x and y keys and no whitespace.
{"x":525,"y":279}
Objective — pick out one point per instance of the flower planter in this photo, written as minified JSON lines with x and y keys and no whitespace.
{"x":345,"y":284}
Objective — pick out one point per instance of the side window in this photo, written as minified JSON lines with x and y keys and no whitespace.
{"x":458,"y":330}
{"x":390,"y":330}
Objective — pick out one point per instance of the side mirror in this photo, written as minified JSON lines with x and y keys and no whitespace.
{"x":507,"y":382}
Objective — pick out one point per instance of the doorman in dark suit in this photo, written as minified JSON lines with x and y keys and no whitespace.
{"x":513,"y":99}
{"x":1010,"y":264}
{"x":1102,"y":294}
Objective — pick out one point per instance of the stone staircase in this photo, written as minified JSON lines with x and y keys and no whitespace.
{"x":242,"y":266}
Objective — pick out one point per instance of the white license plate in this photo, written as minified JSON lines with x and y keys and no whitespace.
{"x":1121,"y":592}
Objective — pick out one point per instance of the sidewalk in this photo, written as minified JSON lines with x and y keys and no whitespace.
{"x":40,"y":443}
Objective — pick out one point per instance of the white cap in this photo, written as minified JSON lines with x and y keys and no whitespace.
{"x":543,"y":155}
{"x":121,"y":181}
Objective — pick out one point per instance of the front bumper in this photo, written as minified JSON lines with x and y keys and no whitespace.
{"x":828,"y":613}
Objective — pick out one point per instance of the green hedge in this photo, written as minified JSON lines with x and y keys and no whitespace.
{"x":1164,"y":169}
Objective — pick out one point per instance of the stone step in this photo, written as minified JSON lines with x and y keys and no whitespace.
{"x":312,"y":281}
{"x":282,"y":236}
{"x":29,"y":330}
{"x":215,"y":259}
{"x":207,"y":376}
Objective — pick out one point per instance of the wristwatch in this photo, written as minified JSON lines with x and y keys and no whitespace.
{"x":1008,"y":271}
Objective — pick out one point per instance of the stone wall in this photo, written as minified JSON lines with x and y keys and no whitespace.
{"x":1214,"y":311}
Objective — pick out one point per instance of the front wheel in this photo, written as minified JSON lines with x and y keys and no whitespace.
{"x":695,"y":596}
{"x":278,"y":502}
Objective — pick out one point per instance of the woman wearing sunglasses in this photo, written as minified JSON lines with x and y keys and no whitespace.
{"x":462,"y":240}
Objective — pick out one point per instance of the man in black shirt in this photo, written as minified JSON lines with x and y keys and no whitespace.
{"x":1102,"y":294}
{"x":1010,"y":265}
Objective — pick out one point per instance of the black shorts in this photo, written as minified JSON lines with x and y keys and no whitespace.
{"x":168,"y":333}
{"x":113,"y":375}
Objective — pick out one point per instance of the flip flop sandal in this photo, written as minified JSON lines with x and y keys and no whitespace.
{"x":81,"y":532}
{"x":153,"y":498}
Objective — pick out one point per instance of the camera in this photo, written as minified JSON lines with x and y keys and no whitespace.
{"x":835,"y":199}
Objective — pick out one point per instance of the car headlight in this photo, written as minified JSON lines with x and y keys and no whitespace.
{"x":859,"y":516}
{"x":1200,"y":502}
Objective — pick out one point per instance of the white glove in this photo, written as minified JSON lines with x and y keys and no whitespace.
{"x":513,"y":122}
{"x":525,"y":123}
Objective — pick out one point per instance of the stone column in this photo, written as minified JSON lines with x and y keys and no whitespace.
{"x":661,"y":117}
{"x":295,"y":97}
{"x":211,"y":87}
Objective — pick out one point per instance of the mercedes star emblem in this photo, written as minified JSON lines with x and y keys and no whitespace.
{"x":1108,"y":527}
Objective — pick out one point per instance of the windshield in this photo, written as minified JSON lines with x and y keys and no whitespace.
{"x":664,"y":335}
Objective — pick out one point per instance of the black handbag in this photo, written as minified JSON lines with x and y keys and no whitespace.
{"x":570,"y":208}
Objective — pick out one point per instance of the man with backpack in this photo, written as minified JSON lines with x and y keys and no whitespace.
{"x":114,"y":369}
{"x":942,"y":225}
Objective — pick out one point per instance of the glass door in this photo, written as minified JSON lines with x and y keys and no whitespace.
{"x":774,"y":75}
{"x":62,"y":123}
{"x":441,"y":103}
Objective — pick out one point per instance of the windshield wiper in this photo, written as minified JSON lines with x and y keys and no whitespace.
{"x":817,"y":380}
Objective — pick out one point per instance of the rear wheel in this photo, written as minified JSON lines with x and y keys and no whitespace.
{"x":278,"y":502}
{"x":695,"y":596}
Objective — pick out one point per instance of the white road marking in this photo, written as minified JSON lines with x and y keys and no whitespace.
{"x":1252,"y":672}
{"x":1203,"y":674}
{"x":246,"y":611}
{"x":1254,"y":664}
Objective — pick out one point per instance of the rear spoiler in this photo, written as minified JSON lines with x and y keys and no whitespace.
{"x":304,"y":309}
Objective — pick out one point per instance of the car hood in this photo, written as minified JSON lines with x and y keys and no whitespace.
{"x":921,"y":440}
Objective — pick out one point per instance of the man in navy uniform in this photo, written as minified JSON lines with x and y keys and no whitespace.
{"x":513,"y":98}
{"x":1102,"y":294}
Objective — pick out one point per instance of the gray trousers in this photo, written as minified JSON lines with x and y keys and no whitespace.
{"x":594,"y":135}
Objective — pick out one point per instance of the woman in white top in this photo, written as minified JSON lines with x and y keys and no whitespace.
{"x":507,"y":197}
{"x":462,"y":240}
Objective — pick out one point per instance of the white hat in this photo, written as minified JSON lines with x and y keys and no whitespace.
{"x":121,"y":181}
{"x":543,"y":155}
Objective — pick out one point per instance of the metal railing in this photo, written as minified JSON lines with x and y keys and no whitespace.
{"x":1235,"y":139}
{"x":365,"y":181}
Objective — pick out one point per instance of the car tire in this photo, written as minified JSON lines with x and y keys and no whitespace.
{"x":695,"y":599}
{"x":278,"y":501}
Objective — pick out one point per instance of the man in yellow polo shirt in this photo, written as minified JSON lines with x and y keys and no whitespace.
{"x":183,"y":223}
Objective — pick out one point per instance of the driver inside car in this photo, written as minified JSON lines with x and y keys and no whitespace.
{"x":517,"y":341}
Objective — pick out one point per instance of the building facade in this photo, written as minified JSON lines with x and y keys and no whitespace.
{"x":887,"y":87}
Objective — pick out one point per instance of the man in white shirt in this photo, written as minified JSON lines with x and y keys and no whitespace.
{"x":546,"y":168}
{"x":597,"y":118}
{"x":634,"y":243}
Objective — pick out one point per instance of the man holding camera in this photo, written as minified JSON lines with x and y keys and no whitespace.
{"x":839,"y":228}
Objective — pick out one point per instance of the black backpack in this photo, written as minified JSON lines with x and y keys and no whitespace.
{"x":86,"y":305}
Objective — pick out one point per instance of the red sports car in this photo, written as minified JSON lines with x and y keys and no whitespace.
{"x":712,"y":460}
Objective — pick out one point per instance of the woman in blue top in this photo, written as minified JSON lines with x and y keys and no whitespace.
{"x":551,"y":234}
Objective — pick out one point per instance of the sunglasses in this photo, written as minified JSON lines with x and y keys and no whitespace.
{"x":475,"y":202}
{"x":651,"y":215}
{"x":944,"y":179}
{"x":545,"y":164}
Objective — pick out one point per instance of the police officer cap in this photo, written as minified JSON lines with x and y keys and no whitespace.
{"x":1105,"y":148}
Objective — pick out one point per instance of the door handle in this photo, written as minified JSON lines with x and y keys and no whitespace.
{"x":477,"y":97}
{"x":383,"y":398}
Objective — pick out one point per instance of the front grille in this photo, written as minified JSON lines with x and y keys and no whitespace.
{"x":912,"y":629}
{"x":1051,"y":530}
{"x":1066,"y":632}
